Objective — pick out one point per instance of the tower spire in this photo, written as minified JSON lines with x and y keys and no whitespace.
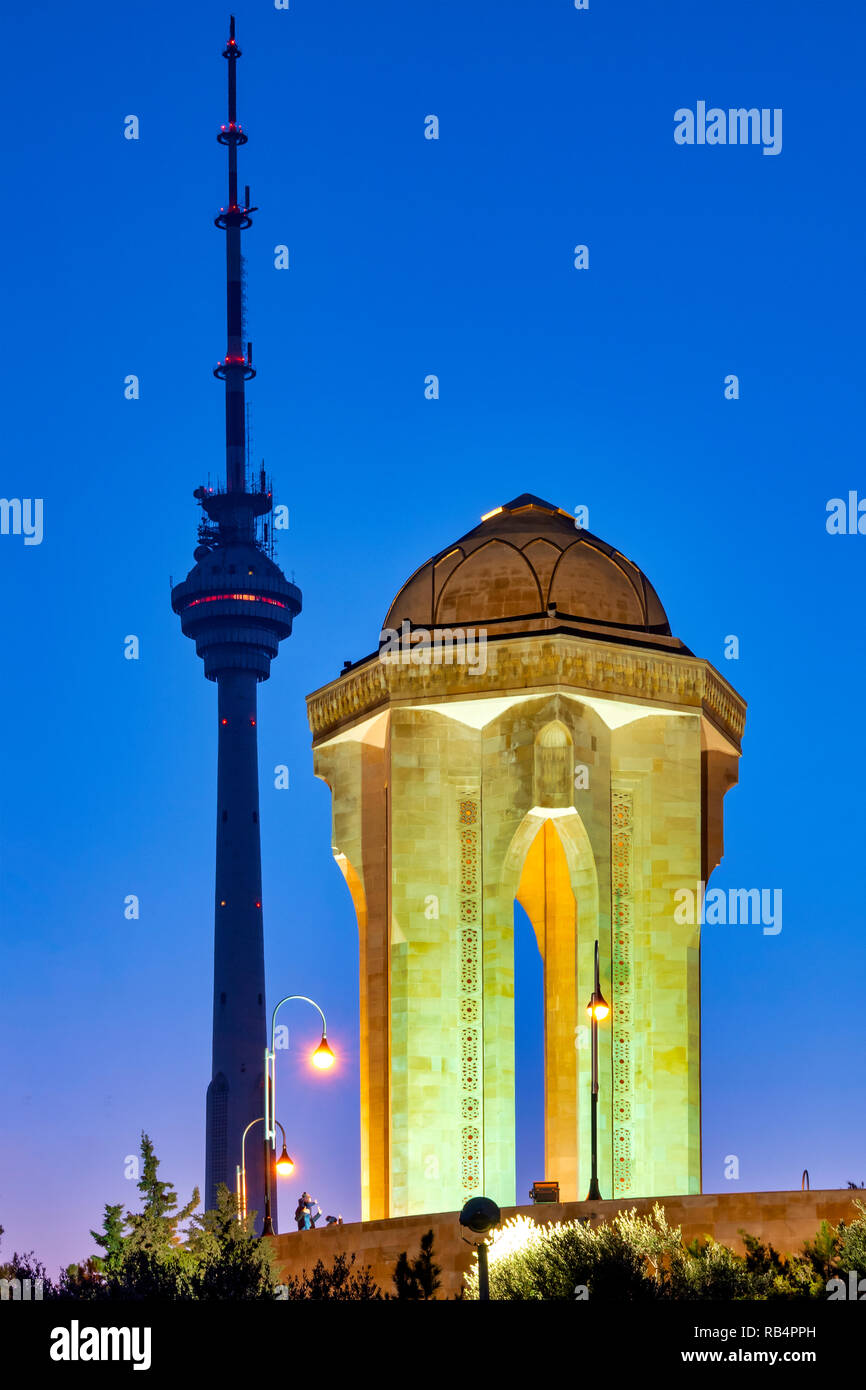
{"x":236,"y":368}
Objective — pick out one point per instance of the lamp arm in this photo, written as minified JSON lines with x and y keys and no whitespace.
{"x":287,"y":1000}
{"x":271,"y":1064}
{"x":246,"y":1132}
{"x":242,"y":1171}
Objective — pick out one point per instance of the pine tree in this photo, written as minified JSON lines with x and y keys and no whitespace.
{"x":111,"y":1239}
{"x":425,"y":1270}
{"x":404,"y":1281}
{"x":228,"y":1259}
{"x":214,"y":1231}
{"x":155,"y":1227}
{"x":417,"y":1279}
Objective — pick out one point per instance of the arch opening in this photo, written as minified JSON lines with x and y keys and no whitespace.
{"x":529,"y":1054}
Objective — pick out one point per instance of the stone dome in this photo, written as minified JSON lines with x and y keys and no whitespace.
{"x":526,"y":567}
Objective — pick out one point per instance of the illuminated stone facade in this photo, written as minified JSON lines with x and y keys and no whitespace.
{"x":573,"y":759}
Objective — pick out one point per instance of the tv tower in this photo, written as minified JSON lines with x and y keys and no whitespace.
{"x":237,"y":606}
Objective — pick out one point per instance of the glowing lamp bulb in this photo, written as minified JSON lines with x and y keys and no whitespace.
{"x":598,"y":1007}
{"x":323,"y":1058}
{"x":285,"y":1165}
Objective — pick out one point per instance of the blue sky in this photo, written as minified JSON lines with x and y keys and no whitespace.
{"x":602,"y":388}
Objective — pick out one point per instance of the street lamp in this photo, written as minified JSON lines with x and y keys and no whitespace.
{"x":285,"y":1166}
{"x":596,"y":1008}
{"x":480,"y":1215}
{"x":322,"y":1059}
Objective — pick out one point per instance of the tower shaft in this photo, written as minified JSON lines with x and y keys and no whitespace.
{"x":236,"y":1094}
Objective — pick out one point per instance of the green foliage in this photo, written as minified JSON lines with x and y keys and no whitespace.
{"x":110,"y":1239}
{"x":83,"y":1280}
{"x":708,"y":1271}
{"x":639,"y":1258}
{"x":779,"y":1276}
{"x":417,"y":1279}
{"x":146,"y":1255}
{"x":701,"y":1270}
{"x":822,"y":1253}
{"x":576,"y":1256}
{"x":150,"y":1274}
{"x":141,"y":1253}
{"x":341,"y":1283}
{"x":228,"y":1259}
{"x":852,"y":1244}
{"x":155,"y":1227}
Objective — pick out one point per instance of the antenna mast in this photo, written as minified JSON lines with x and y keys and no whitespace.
{"x":236,"y":369}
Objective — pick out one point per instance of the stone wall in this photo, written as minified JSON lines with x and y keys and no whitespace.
{"x":784,"y":1219}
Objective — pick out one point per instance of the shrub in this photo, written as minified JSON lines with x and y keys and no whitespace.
{"x":852,"y":1244}
{"x":341,"y":1283}
{"x":642,"y":1258}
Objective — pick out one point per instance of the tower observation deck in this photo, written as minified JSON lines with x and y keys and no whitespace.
{"x":237,"y":606}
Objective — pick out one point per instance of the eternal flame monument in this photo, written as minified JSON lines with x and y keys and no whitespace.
{"x":535,"y":735}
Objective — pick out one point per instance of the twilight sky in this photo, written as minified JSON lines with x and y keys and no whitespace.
{"x":602,"y":387}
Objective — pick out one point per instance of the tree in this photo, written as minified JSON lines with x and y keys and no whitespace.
{"x":778,"y":1276}
{"x":822,"y":1253}
{"x":142,"y":1255}
{"x":852,"y":1254}
{"x":155,"y":1227}
{"x":229,"y":1261}
{"x":27,"y":1266}
{"x":111,"y":1239}
{"x":85,"y":1280}
{"x":417,"y":1279}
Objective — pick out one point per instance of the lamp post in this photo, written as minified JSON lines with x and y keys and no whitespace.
{"x":322,"y":1058}
{"x":284,"y":1166}
{"x":596,"y":1008}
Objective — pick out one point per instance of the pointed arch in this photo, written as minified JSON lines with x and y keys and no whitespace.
{"x":554,"y":766}
{"x":557,"y":886}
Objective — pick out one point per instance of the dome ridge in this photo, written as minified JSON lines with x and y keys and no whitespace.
{"x":499,"y":577}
